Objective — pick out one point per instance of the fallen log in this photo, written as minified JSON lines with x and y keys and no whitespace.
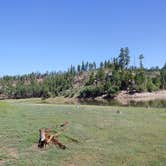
{"x":48,"y":135}
{"x":45,"y":138}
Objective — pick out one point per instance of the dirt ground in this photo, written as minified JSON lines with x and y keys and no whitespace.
{"x":124,"y":98}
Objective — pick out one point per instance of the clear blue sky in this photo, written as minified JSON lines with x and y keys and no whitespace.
{"x":40,"y":35}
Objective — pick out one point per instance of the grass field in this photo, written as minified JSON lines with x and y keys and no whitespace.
{"x":136,"y":136}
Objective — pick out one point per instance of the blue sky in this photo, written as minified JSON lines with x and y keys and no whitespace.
{"x":41,"y":35}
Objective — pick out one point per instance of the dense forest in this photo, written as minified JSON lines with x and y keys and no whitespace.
{"x":87,"y":80}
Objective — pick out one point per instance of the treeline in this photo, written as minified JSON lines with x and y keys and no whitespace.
{"x":115,"y":76}
{"x":35,"y":85}
{"x":87,"y":80}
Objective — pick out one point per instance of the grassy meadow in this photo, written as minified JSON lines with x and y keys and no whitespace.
{"x":135,"y":136}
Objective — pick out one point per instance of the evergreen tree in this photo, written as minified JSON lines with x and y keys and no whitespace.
{"x":94,"y":65}
{"x":127,"y":57}
{"x":140,"y":81}
{"x":90,"y":66}
{"x":124,"y":58}
{"x":83,"y":66}
{"x":105,"y":64}
{"x":78,"y":68}
{"x":164,"y":67}
{"x":141,"y":57}
{"x":91,"y":79}
{"x":86,"y":66}
{"x":100,"y":74}
{"x":116,"y":64}
{"x":163,"y":77}
{"x":101,"y":65}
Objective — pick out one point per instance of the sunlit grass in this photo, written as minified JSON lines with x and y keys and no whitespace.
{"x":136,"y":136}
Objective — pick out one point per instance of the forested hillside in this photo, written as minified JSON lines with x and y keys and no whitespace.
{"x":87,"y":80}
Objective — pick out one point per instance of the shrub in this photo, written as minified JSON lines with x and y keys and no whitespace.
{"x":150,"y":86}
{"x":112,"y":90}
{"x":92,"y":91}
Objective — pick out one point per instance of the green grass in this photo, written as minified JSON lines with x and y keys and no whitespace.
{"x":137,"y":136}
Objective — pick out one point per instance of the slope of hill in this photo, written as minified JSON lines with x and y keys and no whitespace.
{"x":87,"y":81}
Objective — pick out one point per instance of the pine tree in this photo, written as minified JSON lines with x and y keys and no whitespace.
{"x":83,"y":66}
{"x":78,"y":68}
{"x":101,"y":65}
{"x":141,"y":57}
{"x":94,"y":65}
{"x":90,"y":66}
{"x":124,"y":58}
